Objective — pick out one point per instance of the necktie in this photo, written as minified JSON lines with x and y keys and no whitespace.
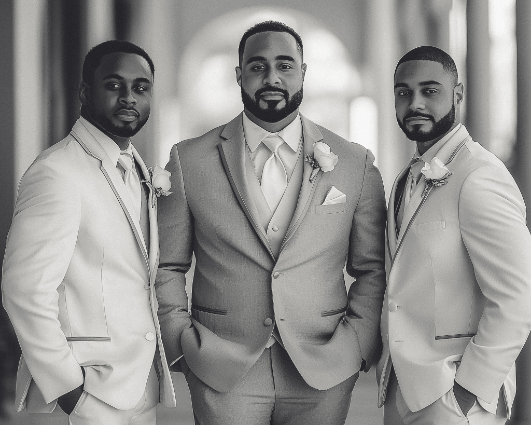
{"x":131,"y":180}
{"x":413,"y":179}
{"x":274,"y":177}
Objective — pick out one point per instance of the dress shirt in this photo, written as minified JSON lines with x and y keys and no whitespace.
{"x":259,"y":153}
{"x":434,"y":150}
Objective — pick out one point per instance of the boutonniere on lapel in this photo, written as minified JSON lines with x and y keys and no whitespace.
{"x":159,"y":182}
{"x":435,"y":174}
{"x":321,"y":159}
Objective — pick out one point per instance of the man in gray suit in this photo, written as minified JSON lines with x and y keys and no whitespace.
{"x":273,"y":207}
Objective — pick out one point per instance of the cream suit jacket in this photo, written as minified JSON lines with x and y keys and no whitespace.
{"x":241,"y":290}
{"x":458,"y":299}
{"x":78,"y":281}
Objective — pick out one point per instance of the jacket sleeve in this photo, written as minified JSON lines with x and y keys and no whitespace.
{"x":39,"y":248}
{"x":494,"y":231}
{"x":366,"y":263}
{"x":175,"y":222}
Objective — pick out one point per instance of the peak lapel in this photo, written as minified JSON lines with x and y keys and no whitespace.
{"x":311,"y":134}
{"x":113,"y":177}
{"x":392,"y":213}
{"x":232,"y":151}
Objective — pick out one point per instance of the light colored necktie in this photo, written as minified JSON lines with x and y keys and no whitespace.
{"x":274,"y":178}
{"x":413,"y":179}
{"x":131,"y":180}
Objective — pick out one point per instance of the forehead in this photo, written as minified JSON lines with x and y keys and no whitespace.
{"x":270,"y":44}
{"x":127,"y":65}
{"x":417,"y":71}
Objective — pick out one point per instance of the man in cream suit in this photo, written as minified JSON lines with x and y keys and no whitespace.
{"x":273,"y":335}
{"x":457,"y":309}
{"x":81,"y":259}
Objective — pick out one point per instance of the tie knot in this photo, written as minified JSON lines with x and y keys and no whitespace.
{"x":273,"y":142}
{"x":416,"y":169}
{"x":126,"y":160}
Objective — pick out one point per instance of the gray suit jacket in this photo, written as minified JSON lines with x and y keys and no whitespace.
{"x":241,"y":290}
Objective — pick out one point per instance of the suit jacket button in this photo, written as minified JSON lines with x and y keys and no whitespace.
{"x":393,"y":306}
{"x":150,"y":336}
{"x":274,"y":228}
{"x":268,"y":322}
{"x":276,"y":275}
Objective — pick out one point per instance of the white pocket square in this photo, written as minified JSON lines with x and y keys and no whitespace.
{"x":335,"y":196}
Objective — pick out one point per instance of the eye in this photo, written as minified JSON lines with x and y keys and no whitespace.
{"x":431,"y":90}
{"x":112,"y":86}
{"x":285,"y":66}
{"x":142,"y":89}
{"x":402,"y":93}
{"x":257,"y":67}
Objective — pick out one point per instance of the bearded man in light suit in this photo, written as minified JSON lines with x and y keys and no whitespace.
{"x":81,"y":259}
{"x":273,"y":335}
{"x":457,"y":310}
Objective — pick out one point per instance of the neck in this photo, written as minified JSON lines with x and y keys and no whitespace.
{"x":423,"y":147}
{"x":272,"y":127}
{"x":122,"y":142}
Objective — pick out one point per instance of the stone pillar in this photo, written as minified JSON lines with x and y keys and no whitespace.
{"x":478,"y":72}
{"x":522,"y":174}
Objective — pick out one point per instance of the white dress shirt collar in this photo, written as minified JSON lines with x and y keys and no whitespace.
{"x":111,"y":149}
{"x":254,"y":134}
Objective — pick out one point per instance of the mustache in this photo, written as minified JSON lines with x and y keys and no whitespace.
{"x":271,"y":89}
{"x":417,"y":114}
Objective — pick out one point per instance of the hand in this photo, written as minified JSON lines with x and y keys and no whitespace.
{"x":68,"y":401}
{"x":464,"y":398}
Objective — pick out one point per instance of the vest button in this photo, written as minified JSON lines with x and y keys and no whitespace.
{"x":276,"y":275}
{"x":274,"y":228}
{"x":268,"y":322}
{"x":150,"y":336}
{"x":393,"y":306}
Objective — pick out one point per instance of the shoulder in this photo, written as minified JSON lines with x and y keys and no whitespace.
{"x":342,"y":147}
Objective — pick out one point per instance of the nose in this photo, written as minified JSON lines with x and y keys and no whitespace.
{"x":127,"y":96}
{"x":417,"y":102}
{"x":271,"y":77}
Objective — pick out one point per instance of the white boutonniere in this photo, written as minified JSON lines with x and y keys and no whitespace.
{"x":435,"y":174}
{"x":159,"y":182}
{"x":322,"y":159}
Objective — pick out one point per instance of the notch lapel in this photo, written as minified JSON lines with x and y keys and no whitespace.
{"x":232,"y":151}
{"x":113,"y":177}
{"x":311,"y":135}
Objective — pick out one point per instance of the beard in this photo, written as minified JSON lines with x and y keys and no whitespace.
{"x":440,"y":128}
{"x":125,"y":130}
{"x":271,"y":113}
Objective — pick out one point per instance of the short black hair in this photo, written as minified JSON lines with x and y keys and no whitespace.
{"x":268,"y":26}
{"x":94,"y":56}
{"x":431,"y":53}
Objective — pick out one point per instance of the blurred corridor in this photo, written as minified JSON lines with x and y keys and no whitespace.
{"x":351,"y":48}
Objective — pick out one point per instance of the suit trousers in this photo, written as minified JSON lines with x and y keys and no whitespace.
{"x":272,"y":392}
{"x":444,"y":411}
{"x":89,"y":410}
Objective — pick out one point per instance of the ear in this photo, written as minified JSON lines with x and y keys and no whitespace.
{"x":84,"y":93}
{"x":238,"y":75}
{"x":303,"y":70}
{"x":459,"y":94}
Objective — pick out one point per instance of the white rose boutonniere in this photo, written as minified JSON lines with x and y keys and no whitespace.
{"x":435,"y":173}
{"x":159,"y":182}
{"x":322,"y":159}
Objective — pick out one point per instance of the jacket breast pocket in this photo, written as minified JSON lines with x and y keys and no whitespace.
{"x":331,"y":209}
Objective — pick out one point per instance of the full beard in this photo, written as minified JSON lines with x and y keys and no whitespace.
{"x":271,"y":113}
{"x":439,"y":129}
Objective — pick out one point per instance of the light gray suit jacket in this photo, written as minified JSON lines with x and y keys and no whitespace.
{"x":239,"y":283}
{"x":458,"y":300}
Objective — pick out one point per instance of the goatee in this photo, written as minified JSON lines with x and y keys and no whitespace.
{"x":271,"y":113}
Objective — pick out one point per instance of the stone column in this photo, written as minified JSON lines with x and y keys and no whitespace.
{"x":478,"y":72}
{"x":522,"y":174}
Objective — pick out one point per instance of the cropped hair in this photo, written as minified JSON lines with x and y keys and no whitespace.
{"x":431,"y":53}
{"x":95,"y":55}
{"x":268,"y":26}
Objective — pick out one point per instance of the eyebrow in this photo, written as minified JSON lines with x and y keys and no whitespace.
{"x":119,"y":77}
{"x":422,"y":83}
{"x":278,"y":58}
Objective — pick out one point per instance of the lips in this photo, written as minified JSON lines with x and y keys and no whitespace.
{"x":127,"y":115}
{"x":417,"y":119}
